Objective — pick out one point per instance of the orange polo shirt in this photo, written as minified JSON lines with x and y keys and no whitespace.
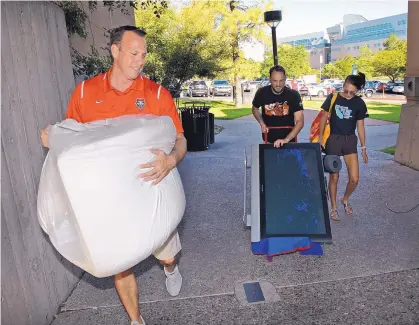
{"x":95,"y":99}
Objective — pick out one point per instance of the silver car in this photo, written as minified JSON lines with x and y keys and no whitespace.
{"x":198,"y":88}
{"x":316,"y":90}
{"x":221,"y":87}
{"x":251,"y":85}
{"x":398,"y":88}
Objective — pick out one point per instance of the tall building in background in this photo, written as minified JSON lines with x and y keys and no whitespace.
{"x":348,"y":37}
{"x":372,"y":33}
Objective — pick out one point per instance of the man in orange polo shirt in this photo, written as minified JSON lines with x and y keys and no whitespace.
{"x":124,"y":91}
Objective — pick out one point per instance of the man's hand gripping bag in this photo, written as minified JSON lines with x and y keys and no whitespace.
{"x":96,"y":210}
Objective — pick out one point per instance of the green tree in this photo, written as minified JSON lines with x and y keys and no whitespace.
{"x":241,"y":22}
{"x":181,"y":44}
{"x":394,"y":43}
{"x":330,"y":71}
{"x":364,"y":62}
{"x":77,"y":22}
{"x":344,"y":66}
{"x":295,"y":60}
{"x":248,"y":68}
{"x":391,"y":61}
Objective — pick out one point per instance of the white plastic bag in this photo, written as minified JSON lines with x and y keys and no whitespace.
{"x":96,"y":210}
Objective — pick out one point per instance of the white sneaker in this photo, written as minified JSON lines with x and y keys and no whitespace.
{"x":135,"y":322}
{"x":173,"y":281}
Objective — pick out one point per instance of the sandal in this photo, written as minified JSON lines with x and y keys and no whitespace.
{"x":348,"y":208}
{"x":334,"y":215}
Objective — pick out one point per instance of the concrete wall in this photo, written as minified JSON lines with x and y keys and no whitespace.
{"x":98,"y":21}
{"x":407,"y":150}
{"x":36,"y":82}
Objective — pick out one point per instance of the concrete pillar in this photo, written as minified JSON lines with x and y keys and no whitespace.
{"x":407,"y":149}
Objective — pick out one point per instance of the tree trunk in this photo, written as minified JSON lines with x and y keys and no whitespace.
{"x":238,"y":96}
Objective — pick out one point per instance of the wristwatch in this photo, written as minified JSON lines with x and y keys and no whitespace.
{"x":363,"y":148}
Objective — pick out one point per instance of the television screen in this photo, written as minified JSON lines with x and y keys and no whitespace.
{"x":293,"y":196}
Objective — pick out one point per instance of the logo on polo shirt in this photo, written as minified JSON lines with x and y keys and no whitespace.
{"x":140,"y":102}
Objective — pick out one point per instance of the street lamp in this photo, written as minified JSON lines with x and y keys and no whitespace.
{"x":273,"y":18}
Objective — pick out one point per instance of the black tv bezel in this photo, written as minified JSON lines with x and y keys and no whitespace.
{"x":326,"y":237}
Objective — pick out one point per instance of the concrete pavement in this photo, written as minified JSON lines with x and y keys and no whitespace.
{"x":369,"y":275}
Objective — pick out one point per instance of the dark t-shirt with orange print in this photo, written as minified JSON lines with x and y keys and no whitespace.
{"x":278,"y":110}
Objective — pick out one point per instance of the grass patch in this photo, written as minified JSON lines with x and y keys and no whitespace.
{"x":389,"y":150}
{"x":221,"y":109}
{"x":376,"y":110}
{"x":224,"y":110}
{"x":384,"y":112}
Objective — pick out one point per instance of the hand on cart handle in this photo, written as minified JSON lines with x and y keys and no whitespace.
{"x":264,"y":128}
{"x":280,"y":142}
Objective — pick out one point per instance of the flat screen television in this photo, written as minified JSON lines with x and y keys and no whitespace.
{"x":289,"y":193}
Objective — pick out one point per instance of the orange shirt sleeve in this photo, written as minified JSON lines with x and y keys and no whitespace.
{"x":74,"y":109}
{"x":169,"y":109}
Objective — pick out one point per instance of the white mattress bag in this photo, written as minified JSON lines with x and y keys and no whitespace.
{"x":99,"y":214}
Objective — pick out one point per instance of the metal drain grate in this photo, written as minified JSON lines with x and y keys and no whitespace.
{"x":253,"y":292}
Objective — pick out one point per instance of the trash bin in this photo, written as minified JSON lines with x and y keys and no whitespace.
{"x":175,"y":95}
{"x":196,"y":125}
{"x":211,"y":127}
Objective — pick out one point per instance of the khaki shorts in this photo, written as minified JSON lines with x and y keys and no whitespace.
{"x":170,"y":248}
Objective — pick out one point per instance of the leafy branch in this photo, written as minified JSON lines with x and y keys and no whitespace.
{"x":77,"y":18}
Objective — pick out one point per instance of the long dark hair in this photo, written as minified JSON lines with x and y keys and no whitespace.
{"x":357,"y":80}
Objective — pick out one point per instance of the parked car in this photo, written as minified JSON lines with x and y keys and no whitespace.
{"x":316,"y":90}
{"x":249,"y":85}
{"x":369,"y":89}
{"x":198,"y":88}
{"x":398,"y":88}
{"x":221,"y":87}
{"x":339,"y":89}
{"x":263,"y":84}
{"x":333,"y":88}
{"x":389,"y":87}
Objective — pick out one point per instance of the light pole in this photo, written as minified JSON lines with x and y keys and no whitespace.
{"x":273,"y":18}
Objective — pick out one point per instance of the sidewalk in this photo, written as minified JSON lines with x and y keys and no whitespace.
{"x":369,"y":275}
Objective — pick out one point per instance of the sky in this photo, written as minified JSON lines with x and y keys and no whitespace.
{"x":306,"y":16}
